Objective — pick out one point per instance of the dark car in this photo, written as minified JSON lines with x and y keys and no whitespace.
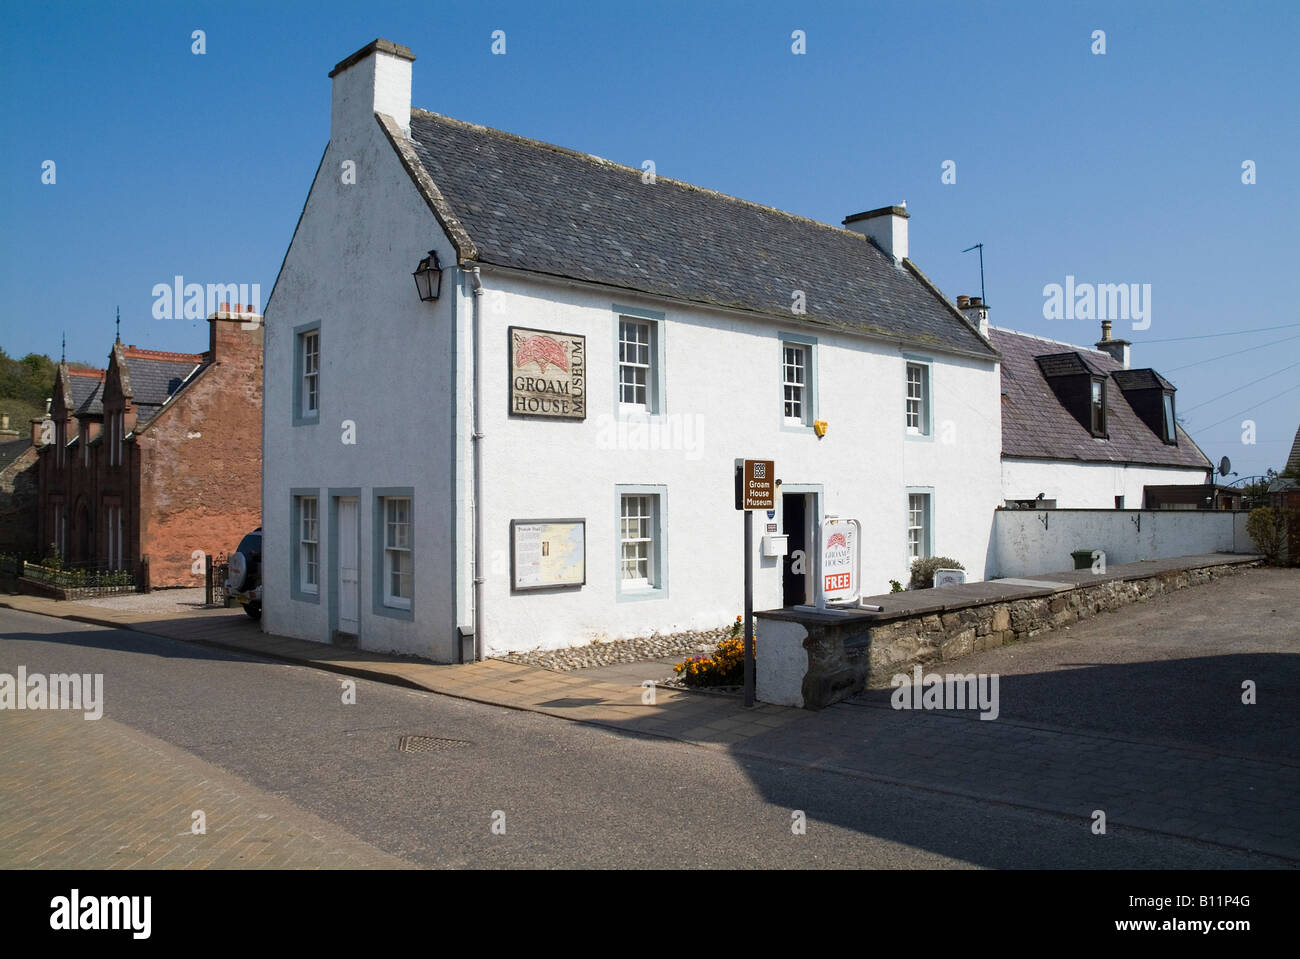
{"x":244,"y":574}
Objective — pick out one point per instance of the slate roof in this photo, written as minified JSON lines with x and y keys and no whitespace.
{"x":1293,"y":461}
{"x":513,"y":202}
{"x":155,"y":377}
{"x":87,"y":389}
{"x":93,"y":404}
{"x":1068,"y":364}
{"x":10,"y":450}
{"x":1035,"y":425}
{"x":1141,"y":380}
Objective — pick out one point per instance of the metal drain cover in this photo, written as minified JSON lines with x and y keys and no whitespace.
{"x":428,"y":744}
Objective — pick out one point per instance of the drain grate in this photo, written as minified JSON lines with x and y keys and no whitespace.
{"x":428,"y":744}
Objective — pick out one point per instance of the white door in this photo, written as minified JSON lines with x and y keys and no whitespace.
{"x":348,"y":579}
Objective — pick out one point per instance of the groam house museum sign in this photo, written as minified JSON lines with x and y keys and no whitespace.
{"x":548,"y":374}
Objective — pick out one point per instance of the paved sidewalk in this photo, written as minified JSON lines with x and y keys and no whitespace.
{"x":95,"y":794}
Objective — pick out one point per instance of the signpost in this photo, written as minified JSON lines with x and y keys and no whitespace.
{"x":755,"y":489}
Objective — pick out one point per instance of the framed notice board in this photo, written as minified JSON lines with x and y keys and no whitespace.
{"x":548,"y":553}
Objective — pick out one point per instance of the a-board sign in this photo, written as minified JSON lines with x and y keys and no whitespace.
{"x":547,"y":553}
{"x":841,"y":556}
{"x":755,"y":484}
{"x":949,"y":577}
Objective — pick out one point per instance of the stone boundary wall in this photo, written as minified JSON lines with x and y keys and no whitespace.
{"x":844,"y":656}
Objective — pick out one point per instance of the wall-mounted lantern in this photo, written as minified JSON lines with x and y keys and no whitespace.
{"x":428,"y":277}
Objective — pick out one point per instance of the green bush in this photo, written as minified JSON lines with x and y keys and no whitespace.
{"x":895,"y":586}
{"x":1265,"y":526}
{"x":923,"y":570}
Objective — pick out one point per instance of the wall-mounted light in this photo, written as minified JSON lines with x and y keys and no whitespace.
{"x":428,"y":277}
{"x":819,"y":427}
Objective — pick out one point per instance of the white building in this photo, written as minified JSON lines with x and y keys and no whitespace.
{"x":604,"y":344}
{"x":1081,"y":430}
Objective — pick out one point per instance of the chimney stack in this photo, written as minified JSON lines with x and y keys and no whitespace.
{"x":1119,"y":349}
{"x":375,"y":79}
{"x":976,"y":312}
{"x":233,"y":330}
{"x":886,"y":226}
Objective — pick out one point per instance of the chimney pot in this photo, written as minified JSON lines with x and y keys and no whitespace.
{"x":1119,"y":349}
{"x":976,"y":313}
{"x":887,"y":227}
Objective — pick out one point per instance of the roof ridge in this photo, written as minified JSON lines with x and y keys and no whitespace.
{"x":603,"y":162}
{"x":143,"y":354}
{"x":98,"y":374}
{"x":1048,"y":339}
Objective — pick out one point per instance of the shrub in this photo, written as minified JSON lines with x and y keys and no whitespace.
{"x":1265,"y":527}
{"x":895,"y":586}
{"x":923,"y":570}
{"x":726,"y":667}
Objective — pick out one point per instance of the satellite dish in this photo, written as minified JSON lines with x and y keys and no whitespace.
{"x":1225,"y":466}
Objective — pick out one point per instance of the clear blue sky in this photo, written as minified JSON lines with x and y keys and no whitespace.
{"x":1122,"y":168}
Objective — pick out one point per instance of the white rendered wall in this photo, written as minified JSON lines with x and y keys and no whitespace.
{"x":1040,"y":541}
{"x":725,"y":370}
{"x":385,"y":365}
{"x":1088,"y":485}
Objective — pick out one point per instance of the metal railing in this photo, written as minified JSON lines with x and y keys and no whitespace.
{"x":76,"y":575}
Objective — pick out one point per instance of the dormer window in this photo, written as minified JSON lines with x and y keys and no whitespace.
{"x":1171,"y":432}
{"x":1098,"y":408}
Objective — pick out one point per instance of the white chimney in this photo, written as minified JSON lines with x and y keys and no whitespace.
{"x":1116,"y":348}
{"x":976,"y":312}
{"x":887,"y":226}
{"x":375,"y":79}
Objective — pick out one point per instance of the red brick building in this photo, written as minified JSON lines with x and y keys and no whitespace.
{"x":157,"y":456}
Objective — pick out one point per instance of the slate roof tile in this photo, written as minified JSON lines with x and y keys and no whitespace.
{"x":1035,"y":425}
{"x":545,"y":209}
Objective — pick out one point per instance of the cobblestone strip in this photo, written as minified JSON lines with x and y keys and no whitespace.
{"x":79,"y":794}
{"x":621,"y":650}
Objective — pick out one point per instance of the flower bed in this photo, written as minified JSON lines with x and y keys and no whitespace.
{"x":725,"y":667}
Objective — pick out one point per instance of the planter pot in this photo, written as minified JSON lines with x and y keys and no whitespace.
{"x":1082,"y":558}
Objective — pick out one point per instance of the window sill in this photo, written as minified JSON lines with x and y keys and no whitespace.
{"x":634,"y":593}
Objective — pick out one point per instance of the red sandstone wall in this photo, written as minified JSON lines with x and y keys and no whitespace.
{"x":201,"y":461}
